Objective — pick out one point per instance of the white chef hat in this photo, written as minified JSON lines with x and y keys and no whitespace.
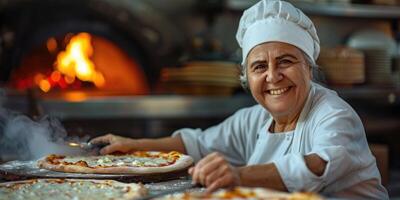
{"x":273,"y":20}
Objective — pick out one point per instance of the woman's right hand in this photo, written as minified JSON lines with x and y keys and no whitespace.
{"x":115,"y":143}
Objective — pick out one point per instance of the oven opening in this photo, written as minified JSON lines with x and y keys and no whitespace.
{"x":79,"y":63}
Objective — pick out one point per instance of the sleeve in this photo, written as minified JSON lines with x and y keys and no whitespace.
{"x":229,"y":138}
{"x":339,"y":139}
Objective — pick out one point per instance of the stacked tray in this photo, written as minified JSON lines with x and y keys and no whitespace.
{"x":342,"y":65}
{"x":202,"y":78}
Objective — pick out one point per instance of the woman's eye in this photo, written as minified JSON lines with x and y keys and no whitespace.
{"x":259,"y":68}
{"x":285,"y":63}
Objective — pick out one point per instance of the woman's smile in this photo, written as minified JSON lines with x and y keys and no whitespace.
{"x":278,"y":91}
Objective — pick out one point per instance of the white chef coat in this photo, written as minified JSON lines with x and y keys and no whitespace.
{"x":327,"y":126}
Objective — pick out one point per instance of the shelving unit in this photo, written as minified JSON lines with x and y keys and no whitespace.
{"x":349,"y":10}
{"x":374,"y":95}
{"x":332,"y":9}
{"x":366,"y":11}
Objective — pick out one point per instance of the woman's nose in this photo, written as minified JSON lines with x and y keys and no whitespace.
{"x":273,"y":75}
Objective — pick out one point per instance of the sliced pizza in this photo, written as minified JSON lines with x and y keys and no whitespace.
{"x":43,"y":189}
{"x":139,"y":162}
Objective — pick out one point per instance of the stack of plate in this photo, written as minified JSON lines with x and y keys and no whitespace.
{"x":379,"y":66}
{"x":202,"y":78}
{"x":379,"y":48}
{"x":342,"y":65}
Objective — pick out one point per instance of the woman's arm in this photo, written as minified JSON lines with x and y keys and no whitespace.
{"x":124,"y":145}
{"x":215,"y":172}
{"x":267,"y":175}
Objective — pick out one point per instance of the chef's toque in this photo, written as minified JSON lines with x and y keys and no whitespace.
{"x":279,"y":21}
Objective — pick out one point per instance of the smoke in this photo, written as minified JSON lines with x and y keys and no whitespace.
{"x":22,"y":138}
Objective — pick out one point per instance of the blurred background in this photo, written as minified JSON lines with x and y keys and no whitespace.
{"x":145,"y":68}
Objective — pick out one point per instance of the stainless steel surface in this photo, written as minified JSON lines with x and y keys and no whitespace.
{"x":145,"y":106}
{"x":82,"y":145}
{"x":170,"y":184}
{"x":173,"y":106}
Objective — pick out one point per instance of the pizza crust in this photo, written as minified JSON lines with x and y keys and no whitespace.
{"x":181,"y":163}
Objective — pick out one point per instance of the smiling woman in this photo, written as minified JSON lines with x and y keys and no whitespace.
{"x":300,"y":137}
{"x":279,"y":79}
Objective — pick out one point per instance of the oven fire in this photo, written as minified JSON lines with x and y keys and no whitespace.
{"x":72,"y":64}
{"x":80,"y":62}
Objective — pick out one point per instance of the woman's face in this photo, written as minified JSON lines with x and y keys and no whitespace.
{"x":279,"y":78}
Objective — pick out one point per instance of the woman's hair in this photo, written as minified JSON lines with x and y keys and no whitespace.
{"x":317,"y":74}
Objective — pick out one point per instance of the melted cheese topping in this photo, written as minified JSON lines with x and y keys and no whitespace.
{"x":134,"y":160}
{"x":60,"y":190}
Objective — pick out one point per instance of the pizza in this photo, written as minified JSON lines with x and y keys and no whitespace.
{"x":70,"y":189}
{"x":139,"y":162}
{"x":244,"y":193}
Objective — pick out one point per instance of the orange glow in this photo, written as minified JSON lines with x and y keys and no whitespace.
{"x":55,"y":76}
{"x":51,"y":45}
{"x":75,"y":61}
{"x":38,"y":77}
{"x":99,"y":80}
{"x":44,"y":85}
{"x":75,"y":96}
{"x":69,"y":79}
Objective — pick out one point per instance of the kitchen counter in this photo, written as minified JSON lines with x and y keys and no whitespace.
{"x":20,"y":170}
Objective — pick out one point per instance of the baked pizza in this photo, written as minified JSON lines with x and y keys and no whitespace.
{"x":245,"y":193}
{"x":70,"y":189}
{"x":139,"y":162}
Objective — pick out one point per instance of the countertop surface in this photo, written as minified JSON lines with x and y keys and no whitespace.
{"x":22,"y":170}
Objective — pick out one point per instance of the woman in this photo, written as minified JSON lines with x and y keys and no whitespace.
{"x":300,"y":136}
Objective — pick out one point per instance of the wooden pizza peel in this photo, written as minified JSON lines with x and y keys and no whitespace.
{"x":22,"y":170}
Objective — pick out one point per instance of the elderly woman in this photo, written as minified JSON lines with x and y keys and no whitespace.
{"x":300,"y":136}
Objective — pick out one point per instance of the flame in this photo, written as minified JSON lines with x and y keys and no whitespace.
{"x":75,"y":60}
{"x":71,"y":64}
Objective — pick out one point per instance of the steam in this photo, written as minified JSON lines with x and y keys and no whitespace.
{"x":24,"y":139}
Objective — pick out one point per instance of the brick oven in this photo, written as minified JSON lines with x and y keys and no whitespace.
{"x":96,"y":46}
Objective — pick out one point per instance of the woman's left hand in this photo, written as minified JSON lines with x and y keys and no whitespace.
{"x":214,"y":172}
